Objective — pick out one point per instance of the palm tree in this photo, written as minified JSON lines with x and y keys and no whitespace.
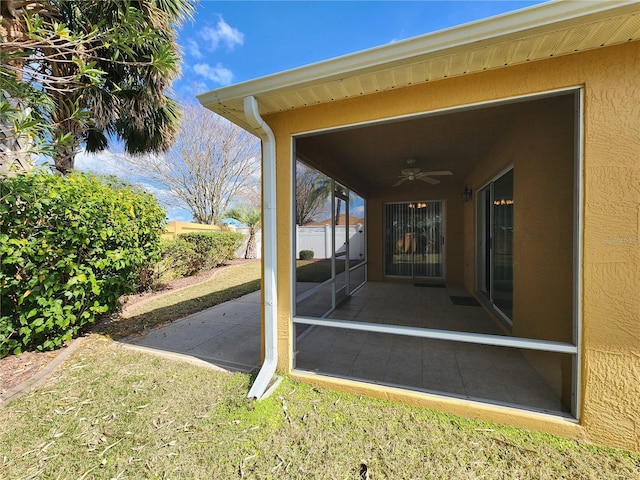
{"x":14,"y":149}
{"x":104,"y":67}
{"x":251,"y":218}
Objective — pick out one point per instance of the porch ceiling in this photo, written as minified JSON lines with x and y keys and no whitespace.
{"x":551,"y":29}
{"x":368,"y":159}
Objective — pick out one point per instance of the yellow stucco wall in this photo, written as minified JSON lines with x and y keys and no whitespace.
{"x":539,"y":146}
{"x":175,"y":228}
{"x":610,"y":412}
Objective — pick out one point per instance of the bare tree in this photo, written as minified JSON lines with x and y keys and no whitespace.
{"x":250,"y":196}
{"x":312,"y":191}
{"x":212,"y":163}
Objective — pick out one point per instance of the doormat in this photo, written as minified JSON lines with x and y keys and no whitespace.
{"x":464,"y":301}
{"x":430,"y":285}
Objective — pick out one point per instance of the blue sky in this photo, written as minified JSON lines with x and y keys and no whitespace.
{"x":233,"y":41}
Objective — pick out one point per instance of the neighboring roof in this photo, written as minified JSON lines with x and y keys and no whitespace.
{"x":341,"y":221}
{"x":547,"y":30}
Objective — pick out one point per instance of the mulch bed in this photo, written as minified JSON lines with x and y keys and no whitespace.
{"x":15,"y":369}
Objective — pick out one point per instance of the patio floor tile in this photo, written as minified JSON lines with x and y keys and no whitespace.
{"x":495,"y":374}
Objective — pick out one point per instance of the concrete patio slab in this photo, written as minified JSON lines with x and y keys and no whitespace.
{"x":227,"y":335}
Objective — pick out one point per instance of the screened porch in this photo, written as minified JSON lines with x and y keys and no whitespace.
{"x":466,"y":287}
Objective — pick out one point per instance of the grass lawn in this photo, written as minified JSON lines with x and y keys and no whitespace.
{"x":230,"y":283}
{"x":318,"y":271}
{"x":115,"y":413}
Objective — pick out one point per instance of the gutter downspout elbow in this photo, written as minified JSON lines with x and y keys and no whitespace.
{"x":269,"y":244}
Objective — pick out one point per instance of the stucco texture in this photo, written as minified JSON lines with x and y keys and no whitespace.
{"x":610,"y":262}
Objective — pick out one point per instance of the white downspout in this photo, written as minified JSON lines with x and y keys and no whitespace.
{"x":263,"y":379}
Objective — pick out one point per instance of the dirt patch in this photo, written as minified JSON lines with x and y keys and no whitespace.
{"x":15,"y":369}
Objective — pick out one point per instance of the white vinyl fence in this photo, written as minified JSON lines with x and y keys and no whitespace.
{"x":318,"y":240}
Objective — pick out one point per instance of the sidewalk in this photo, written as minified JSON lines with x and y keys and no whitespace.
{"x":227,"y":335}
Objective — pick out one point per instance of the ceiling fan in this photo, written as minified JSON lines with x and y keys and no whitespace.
{"x":414,"y":173}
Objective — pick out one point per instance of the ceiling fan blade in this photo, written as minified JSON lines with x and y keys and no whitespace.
{"x":402,"y":180}
{"x":436,"y":172}
{"x":430,"y":180}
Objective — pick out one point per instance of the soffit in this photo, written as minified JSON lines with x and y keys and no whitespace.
{"x":548,"y":30}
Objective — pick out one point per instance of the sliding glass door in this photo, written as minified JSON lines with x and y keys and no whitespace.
{"x":495,"y":243}
{"x":414,"y":239}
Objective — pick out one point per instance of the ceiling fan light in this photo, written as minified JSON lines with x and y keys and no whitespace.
{"x":409,"y":171}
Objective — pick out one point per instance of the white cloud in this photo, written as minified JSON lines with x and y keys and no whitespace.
{"x":193,"y":48}
{"x":163,"y":195}
{"x":110,"y":163}
{"x":222,"y":34}
{"x":357,"y":211}
{"x":178,"y":215}
{"x":102,"y":163}
{"x":185,"y":92}
{"x":170,"y":201}
{"x":218,"y":74}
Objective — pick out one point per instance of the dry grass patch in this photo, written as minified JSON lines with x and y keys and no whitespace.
{"x":115,"y":413}
{"x":228,"y":284}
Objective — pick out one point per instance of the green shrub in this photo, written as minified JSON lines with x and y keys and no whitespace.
{"x":212,"y":248}
{"x":178,"y":259}
{"x":306,"y":254}
{"x":69,"y":248}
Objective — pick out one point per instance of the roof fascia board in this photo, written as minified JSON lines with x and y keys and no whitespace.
{"x":533,"y":20}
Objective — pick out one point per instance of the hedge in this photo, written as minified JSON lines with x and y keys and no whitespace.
{"x":69,"y":248}
{"x":176,"y":260}
{"x":306,"y":254}
{"x":212,"y":248}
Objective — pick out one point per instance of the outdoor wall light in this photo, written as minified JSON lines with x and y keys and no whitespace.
{"x":466,"y":194}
